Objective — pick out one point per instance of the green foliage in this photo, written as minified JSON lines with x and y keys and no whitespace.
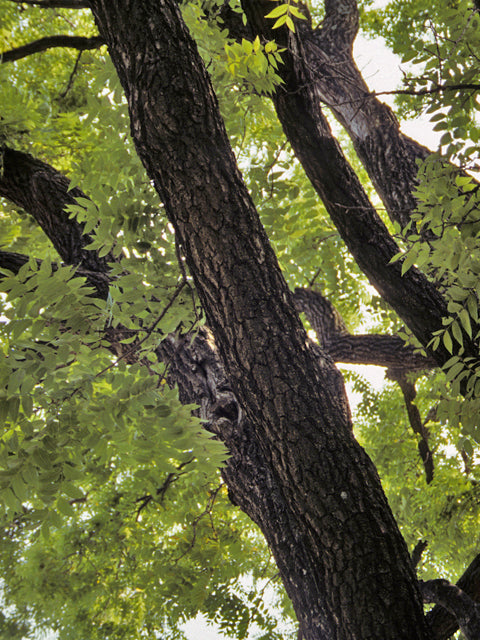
{"x":283,"y":14}
{"x":443,"y":511}
{"x":114,"y":522}
{"x":443,"y":237}
{"x":70,"y":409}
{"x":130,"y":567}
{"x":255,"y":63}
{"x":109,"y":495}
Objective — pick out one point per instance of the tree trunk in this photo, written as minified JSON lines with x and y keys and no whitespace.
{"x":295,"y":468}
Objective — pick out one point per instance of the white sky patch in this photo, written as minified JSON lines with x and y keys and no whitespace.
{"x":373,"y":374}
{"x":199,"y":629}
{"x":382,"y":71}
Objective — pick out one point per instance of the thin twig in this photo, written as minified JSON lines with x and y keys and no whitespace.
{"x":149,"y":331}
{"x":72,"y":75}
{"x":424,"y":92}
{"x":208,"y":510}
{"x":161,"y":491}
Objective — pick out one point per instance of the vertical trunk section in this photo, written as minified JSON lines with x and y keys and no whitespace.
{"x":296,"y":468}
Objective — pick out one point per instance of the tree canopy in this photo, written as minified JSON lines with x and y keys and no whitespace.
{"x":203,"y":210}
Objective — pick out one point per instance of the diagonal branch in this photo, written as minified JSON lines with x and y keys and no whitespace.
{"x":54,"y":4}
{"x":411,"y":295}
{"x":444,"y":623}
{"x":42,"y":44}
{"x":43,"y":192}
{"x":456,"y":602}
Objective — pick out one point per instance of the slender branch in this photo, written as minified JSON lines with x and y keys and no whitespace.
{"x":148,"y":331}
{"x":162,"y":490}
{"x":409,"y":394}
{"x":207,"y":512}
{"x":54,"y":4}
{"x":42,"y":44}
{"x":416,"y":300}
{"x":72,"y":75}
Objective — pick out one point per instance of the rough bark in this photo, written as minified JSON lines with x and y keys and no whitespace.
{"x":379,"y":350}
{"x":388,"y":155}
{"x":457,"y":602}
{"x":443,"y":622}
{"x":340,"y":554}
{"x":39,"y":189}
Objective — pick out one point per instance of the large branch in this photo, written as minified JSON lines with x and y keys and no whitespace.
{"x":49,"y":42}
{"x":297,"y":101}
{"x":42,"y":191}
{"x":387,"y":351}
{"x":442,"y":621}
{"x":457,"y":603}
{"x":389,"y":157}
{"x":379,"y":350}
{"x":342,"y":346}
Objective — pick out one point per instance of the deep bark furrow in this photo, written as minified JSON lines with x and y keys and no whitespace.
{"x":305,"y":443}
{"x":255,"y":487}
